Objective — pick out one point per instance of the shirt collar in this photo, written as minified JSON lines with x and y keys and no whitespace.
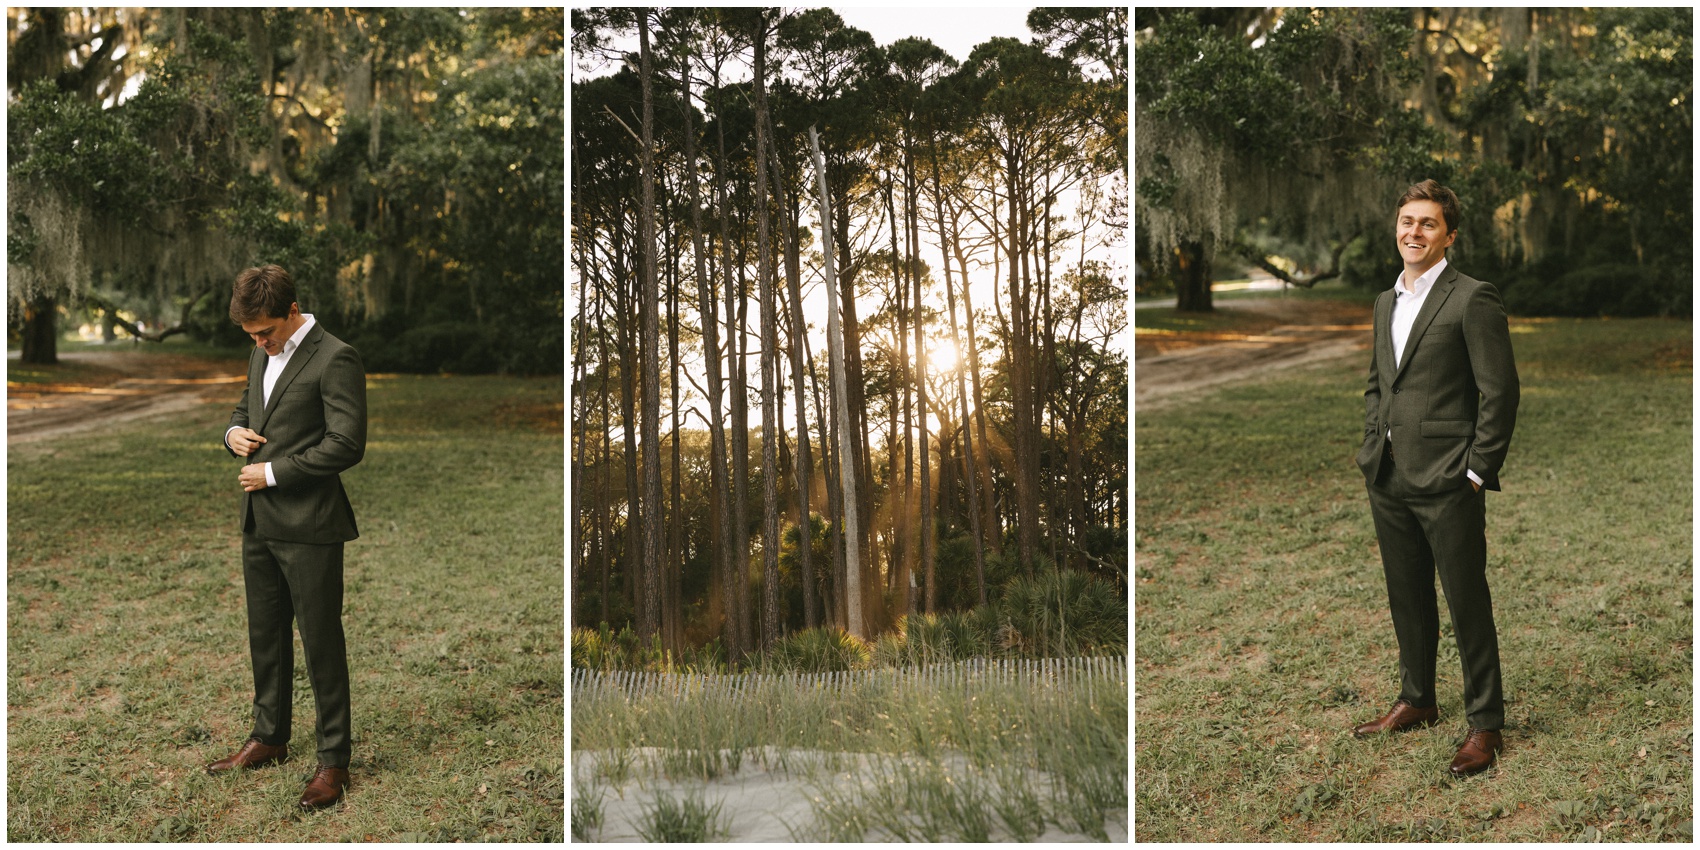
{"x":300,"y":334}
{"x":1423,"y":282}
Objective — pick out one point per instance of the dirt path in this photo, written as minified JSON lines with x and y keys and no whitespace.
{"x":1254,"y":337}
{"x":105,"y":387}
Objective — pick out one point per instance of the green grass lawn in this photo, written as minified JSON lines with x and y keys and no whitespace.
{"x":1262,"y":631}
{"x":127,"y":644}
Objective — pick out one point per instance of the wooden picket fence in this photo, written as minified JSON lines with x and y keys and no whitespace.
{"x":971,"y":674}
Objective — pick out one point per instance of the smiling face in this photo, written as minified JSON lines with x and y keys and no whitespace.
{"x":1423,"y":236}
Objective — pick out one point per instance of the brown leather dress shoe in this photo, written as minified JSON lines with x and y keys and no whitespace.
{"x":1478,"y":752}
{"x":325,"y":788}
{"x":253,"y":754}
{"x":1402,"y":716}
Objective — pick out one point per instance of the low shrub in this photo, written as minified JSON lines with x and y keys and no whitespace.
{"x":823,"y":650}
{"x":1062,"y":613}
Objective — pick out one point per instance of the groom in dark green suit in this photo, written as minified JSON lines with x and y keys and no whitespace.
{"x":300,"y":423}
{"x":1438,"y":416}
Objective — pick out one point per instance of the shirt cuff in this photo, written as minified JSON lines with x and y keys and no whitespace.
{"x":1470,"y":472}
{"x":271,"y":480}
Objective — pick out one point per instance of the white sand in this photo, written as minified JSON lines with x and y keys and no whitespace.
{"x":763,"y":804}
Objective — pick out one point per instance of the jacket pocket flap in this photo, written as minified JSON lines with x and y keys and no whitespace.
{"x":1448,"y":428}
{"x":1437,"y":330}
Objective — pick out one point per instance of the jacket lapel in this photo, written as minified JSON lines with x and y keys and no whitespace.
{"x":1384,"y":335}
{"x":256,"y":390}
{"x":1431,"y":305}
{"x":297,"y":362}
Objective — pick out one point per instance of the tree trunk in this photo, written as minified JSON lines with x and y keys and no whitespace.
{"x":847,"y":470}
{"x":741,"y":459}
{"x":580,"y":420}
{"x":769,"y":352}
{"x":900,"y":576}
{"x":804,"y":466}
{"x":925,"y":519}
{"x":1019,"y":356}
{"x":736,"y":547}
{"x":1192,"y":279}
{"x":649,"y":612}
{"x":708,"y":308}
{"x":969,"y":467}
{"x":41,"y":331}
{"x":672,"y":578}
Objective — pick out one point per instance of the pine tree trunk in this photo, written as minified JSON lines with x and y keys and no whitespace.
{"x":798,"y":333}
{"x":733,"y":517}
{"x":969,"y":467}
{"x":901,"y":489}
{"x":649,"y":611}
{"x":925,"y":519}
{"x":671,"y":577}
{"x":769,"y":358}
{"x":708,"y":309}
{"x":846,"y":462}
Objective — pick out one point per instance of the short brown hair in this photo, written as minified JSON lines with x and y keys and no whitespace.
{"x":264,"y":292}
{"x":1428,"y":190}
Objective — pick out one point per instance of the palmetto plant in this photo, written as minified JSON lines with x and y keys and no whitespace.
{"x":1062,"y":613}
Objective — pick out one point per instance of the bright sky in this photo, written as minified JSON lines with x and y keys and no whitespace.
{"x":957,"y":29}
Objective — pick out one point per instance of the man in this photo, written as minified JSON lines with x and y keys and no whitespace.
{"x":301,"y":422}
{"x":1438,"y":415}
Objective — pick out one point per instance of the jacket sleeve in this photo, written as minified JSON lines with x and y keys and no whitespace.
{"x":1488,"y":337}
{"x":343,"y":392}
{"x":238,"y":417}
{"x":1372,"y":394}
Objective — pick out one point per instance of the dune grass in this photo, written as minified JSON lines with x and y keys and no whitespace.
{"x":127,"y":642}
{"x":1262,"y":633}
{"x":933,"y":759}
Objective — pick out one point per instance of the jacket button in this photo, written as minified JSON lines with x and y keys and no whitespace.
{"x":1395,"y":390}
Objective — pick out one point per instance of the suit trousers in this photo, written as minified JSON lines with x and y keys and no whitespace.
{"x":1422,"y":534}
{"x":300,"y":582}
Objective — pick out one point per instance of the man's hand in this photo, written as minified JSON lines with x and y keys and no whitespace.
{"x":1473,"y":484}
{"x":244,"y":443}
{"x":253,"y":477}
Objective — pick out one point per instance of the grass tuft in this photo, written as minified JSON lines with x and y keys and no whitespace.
{"x":684,"y":820}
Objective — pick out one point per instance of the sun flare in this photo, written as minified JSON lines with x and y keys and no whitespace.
{"x":941,"y":356}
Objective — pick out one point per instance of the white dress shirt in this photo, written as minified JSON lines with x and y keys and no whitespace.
{"x":1407,"y":303}
{"x":275,"y":364}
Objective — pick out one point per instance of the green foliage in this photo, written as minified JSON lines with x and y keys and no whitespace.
{"x":1567,"y":123}
{"x":1063,"y":613}
{"x":1619,"y":289}
{"x":605,"y":649}
{"x":447,"y":219}
{"x":495,"y":149}
{"x":685,"y":820}
{"x":587,"y":811}
{"x":823,"y":650}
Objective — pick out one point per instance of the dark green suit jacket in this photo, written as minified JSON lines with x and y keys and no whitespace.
{"x":315,"y":427}
{"x":1451,"y":403}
